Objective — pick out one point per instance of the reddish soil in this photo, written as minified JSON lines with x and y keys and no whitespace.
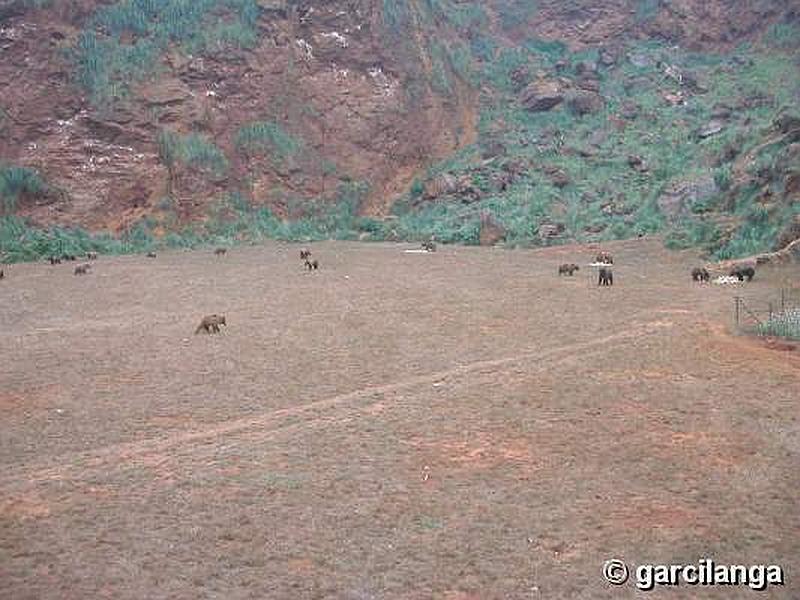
{"x":338,"y":83}
{"x":457,"y":425}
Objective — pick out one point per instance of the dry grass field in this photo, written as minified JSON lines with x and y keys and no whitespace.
{"x":460,"y":425}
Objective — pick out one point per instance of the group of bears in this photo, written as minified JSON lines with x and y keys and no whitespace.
{"x":56,"y":260}
{"x":605,"y":275}
{"x":209,"y":323}
{"x":741,"y":272}
{"x":80,"y":269}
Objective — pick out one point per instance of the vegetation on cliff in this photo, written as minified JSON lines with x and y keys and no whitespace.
{"x":123,"y":42}
{"x":669,"y":141}
{"x":572,"y":141}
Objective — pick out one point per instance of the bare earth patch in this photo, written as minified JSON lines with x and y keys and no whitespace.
{"x":453,"y":426}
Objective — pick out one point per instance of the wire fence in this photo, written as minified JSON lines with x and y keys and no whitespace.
{"x":778,"y":317}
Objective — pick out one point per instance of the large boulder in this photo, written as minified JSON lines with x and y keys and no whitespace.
{"x":589,"y":84}
{"x":173,"y":100}
{"x":679,"y":197}
{"x":595,"y":228}
{"x":549,"y":231}
{"x":448,"y":184}
{"x":585,"y":103}
{"x":558,"y":177}
{"x":542,"y":95}
{"x":165,"y":92}
{"x":786,"y":123}
{"x":439,"y":186}
{"x":713,"y":127}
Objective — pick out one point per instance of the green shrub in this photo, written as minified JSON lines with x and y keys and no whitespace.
{"x":396,"y":14}
{"x":497,"y":70}
{"x":722,"y":177}
{"x":417,"y":188}
{"x":399,"y":14}
{"x":185,"y":239}
{"x":619,"y":230}
{"x":106,"y":66}
{"x":192,"y":150}
{"x":16,"y":181}
{"x":515,"y":13}
{"x":20,"y":241}
{"x":440,"y":72}
{"x":267,"y":138}
{"x":321,"y":221}
{"x":551,"y":49}
{"x":754,"y":236}
{"x":784,"y":324}
{"x":646,"y":10}
{"x":783,"y":35}
{"x":374,"y":227}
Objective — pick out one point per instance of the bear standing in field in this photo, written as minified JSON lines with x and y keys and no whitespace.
{"x":700,"y":274}
{"x":429,"y":246}
{"x":742,"y":271}
{"x":211,"y":324}
{"x":604,"y":258}
{"x":568,"y":269}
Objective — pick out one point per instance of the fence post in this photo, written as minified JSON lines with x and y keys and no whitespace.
{"x":783,"y":299}
{"x":736,"y":310}
{"x":770,"y":311}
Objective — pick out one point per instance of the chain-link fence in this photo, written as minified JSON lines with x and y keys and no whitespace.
{"x":779,"y":316}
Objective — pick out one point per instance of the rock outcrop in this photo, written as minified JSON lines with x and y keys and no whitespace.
{"x":542,"y":95}
{"x":334,"y":82}
{"x":353,"y":97}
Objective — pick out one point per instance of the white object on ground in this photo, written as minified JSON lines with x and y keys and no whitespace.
{"x":726,"y":279}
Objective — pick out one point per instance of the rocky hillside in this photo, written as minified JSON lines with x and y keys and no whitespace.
{"x":281,"y":103}
{"x":530,"y":121}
